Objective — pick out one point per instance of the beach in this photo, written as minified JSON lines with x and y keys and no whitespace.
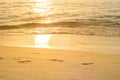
{"x":40,"y":63}
{"x":59,"y":40}
{"x":18,"y":63}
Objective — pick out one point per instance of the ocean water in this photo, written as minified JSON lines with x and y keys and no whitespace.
{"x":80,"y":17}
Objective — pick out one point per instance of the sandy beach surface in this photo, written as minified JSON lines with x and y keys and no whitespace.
{"x":18,"y":63}
{"x":37,"y":63}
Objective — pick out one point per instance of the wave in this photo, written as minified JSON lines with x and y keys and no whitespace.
{"x":94,"y":31}
{"x":78,"y":28}
{"x":35,"y":25}
{"x":69,"y":24}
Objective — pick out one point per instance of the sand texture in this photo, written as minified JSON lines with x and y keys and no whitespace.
{"x":20,"y":63}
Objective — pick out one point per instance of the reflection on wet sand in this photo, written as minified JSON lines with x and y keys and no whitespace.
{"x":42,"y":40}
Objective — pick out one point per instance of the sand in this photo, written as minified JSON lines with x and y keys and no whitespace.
{"x":23,"y":63}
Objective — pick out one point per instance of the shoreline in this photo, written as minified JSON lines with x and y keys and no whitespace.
{"x":92,"y":44}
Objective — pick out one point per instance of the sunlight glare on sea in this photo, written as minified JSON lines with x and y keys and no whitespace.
{"x":44,"y":8}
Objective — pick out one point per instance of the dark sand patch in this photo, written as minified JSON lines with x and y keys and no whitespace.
{"x":57,"y":60}
{"x":1,"y":58}
{"x":117,"y":62}
{"x":87,"y":63}
{"x":24,"y":61}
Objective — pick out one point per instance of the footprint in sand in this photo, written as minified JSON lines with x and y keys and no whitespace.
{"x":57,"y":60}
{"x":87,"y":63}
{"x":24,"y":61}
{"x":1,"y":58}
{"x":20,"y":60}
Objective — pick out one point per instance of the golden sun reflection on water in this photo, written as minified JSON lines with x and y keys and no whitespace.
{"x":42,"y":40}
{"x":43,"y":7}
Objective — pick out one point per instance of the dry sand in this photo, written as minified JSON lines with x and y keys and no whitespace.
{"x":21,"y":63}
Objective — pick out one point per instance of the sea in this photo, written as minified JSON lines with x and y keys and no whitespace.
{"x":79,"y":17}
